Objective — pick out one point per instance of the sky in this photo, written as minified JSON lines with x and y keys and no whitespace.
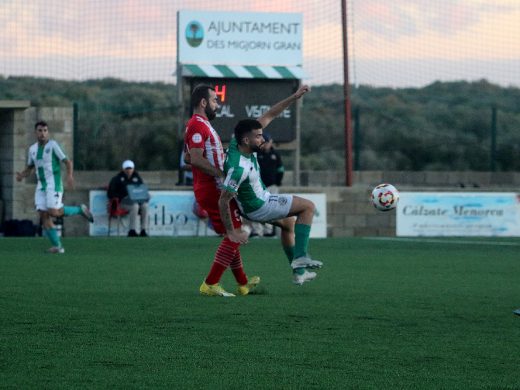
{"x":402,"y":43}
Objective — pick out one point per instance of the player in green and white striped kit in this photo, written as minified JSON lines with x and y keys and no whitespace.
{"x":45,"y":157}
{"x":256,"y":203}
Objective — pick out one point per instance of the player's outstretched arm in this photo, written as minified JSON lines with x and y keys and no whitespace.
{"x":278,"y":108}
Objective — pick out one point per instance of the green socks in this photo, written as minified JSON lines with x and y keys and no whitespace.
{"x":71,"y":210}
{"x":289,"y":252}
{"x":52,"y":235}
{"x":301,"y":233}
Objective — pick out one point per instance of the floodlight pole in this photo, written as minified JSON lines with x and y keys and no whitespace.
{"x":346,"y":96}
{"x":493,"y":138}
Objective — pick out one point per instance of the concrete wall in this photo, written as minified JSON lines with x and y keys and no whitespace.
{"x":455,"y":179}
{"x":6,"y":162}
{"x":349,"y":212}
{"x":12,"y":124}
{"x":17,"y":121}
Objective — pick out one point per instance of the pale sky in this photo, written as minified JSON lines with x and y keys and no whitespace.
{"x":398,"y":43}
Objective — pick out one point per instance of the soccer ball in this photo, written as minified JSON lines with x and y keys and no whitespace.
{"x":385,"y":197}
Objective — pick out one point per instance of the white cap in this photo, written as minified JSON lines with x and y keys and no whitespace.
{"x":128,"y":164}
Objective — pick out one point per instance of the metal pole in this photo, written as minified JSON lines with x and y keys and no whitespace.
{"x":75,"y":133}
{"x":493,"y":138}
{"x":180,"y":100}
{"x":297,"y":152}
{"x":357,"y":140}
{"x":180,"y":123}
{"x":346,"y":95}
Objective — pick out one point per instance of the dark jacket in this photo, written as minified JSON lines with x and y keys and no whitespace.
{"x":117,"y":186}
{"x":271,"y":167}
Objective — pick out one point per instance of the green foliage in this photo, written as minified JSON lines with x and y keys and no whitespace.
{"x":126,"y":313}
{"x":117,"y":119}
{"x":443,"y":126}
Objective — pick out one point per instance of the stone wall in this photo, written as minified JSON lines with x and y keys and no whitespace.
{"x":455,"y":179}
{"x":12,"y":125}
{"x":17,"y":121}
{"x":349,"y":212}
{"x":6,"y":161}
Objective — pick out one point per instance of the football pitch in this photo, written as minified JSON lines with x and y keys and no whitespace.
{"x":382,"y":313}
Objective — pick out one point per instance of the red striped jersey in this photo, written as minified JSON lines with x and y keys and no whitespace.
{"x":201,"y":135}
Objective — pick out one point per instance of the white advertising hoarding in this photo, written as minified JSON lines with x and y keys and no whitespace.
{"x":319,"y":223}
{"x":170,"y":214}
{"x":239,"y":38}
{"x":458,"y":214}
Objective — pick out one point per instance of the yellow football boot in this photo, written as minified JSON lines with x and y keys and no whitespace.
{"x":250,"y":286}
{"x":214,"y":290}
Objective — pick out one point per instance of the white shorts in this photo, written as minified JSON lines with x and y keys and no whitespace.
{"x":45,"y":200}
{"x":277,"y":207}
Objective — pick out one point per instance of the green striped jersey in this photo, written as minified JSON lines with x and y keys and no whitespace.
{"x":46,"y":159}
{"x":243,"y":178}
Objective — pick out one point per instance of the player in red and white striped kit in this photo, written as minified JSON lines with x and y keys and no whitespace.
{"x":204,"y":151}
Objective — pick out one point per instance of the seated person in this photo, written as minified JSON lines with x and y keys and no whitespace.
{"x":187,"y":174}
{"x":118,"y":189}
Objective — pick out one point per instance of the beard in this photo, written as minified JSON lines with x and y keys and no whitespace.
{"x":256,"y":148}
{"x":210,"y":114}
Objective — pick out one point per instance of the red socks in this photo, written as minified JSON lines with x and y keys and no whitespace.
{"x":227,"y":255}
{"x":238,"y":269}
{"x":215,"y":273}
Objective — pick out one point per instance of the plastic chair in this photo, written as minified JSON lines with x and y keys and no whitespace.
{"x":115,"y":211}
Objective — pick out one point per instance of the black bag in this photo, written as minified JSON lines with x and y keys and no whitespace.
{"x":19,"y":228}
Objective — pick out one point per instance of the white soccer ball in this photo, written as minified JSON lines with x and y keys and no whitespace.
{"x":385,"y":197}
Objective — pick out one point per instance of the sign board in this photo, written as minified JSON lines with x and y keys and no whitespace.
{"x":458,"y":214}
{"x":249,"y":99}
{"x":319,"y":222}
{"x":171,"y":214}
{"x":243,"y":38}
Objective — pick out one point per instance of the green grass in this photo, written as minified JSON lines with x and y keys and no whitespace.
{"x":126,"y":313}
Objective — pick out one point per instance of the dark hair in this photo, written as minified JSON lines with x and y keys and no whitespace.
{"x":245,"y":126}
{"x":200,"y":92}
{"x":40,"y":123}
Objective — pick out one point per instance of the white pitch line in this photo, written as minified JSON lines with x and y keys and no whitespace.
{"x":442,"y":241}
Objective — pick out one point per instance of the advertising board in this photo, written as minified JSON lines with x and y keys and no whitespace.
{"x":244,"y":38}
{"x":458,"y":214}
{"x":171,"y":214}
